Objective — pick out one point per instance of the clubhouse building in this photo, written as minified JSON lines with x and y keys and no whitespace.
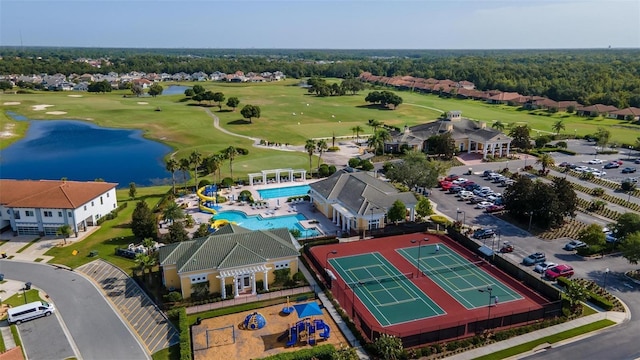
{"x":470,"y":136}
{"x":40,"y":207}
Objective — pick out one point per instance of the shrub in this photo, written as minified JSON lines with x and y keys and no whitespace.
{"x":333,"y":149}
{"x":185,"y":335}
{"x":203,"y":182}
{"x":600,"y":301}
{"x":597,"y":191}
{"x":173,"y":296}
{"x":439,"y":219}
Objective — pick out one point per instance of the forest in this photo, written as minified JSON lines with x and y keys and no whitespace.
{"x":589,"y":76}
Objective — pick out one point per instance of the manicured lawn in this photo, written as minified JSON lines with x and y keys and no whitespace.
{"x":186,"y":126}
{"x":17,"y":129}
{"x":111,"y":235}
{"x":17,"y":299}
{"x":549,"y":339}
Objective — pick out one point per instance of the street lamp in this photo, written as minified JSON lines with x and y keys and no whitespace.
{"x":419,"y":241}
{"x":489,"y":290}
{"x":606,"y":274}
{"x":326,"y":259}
{"x":464,"y":215}
{"x":630,"y":148}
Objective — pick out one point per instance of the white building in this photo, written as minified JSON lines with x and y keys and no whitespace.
{"x":41,"y":207}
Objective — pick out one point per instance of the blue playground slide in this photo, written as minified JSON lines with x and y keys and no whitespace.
{"x":293,"y":337}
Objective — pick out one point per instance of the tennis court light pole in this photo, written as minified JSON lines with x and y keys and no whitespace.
{"x":464,"y":216}
{"x":419,"y":241}
{"x":326,"y":266}
{"x":489,"y":289}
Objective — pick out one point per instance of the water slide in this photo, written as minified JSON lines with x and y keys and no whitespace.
{"x":205,"y":201}
{"x":205,"y":197}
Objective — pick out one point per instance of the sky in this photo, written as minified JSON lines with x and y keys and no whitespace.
{"x":327,"y":24}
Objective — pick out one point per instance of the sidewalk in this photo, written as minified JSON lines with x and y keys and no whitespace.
{"x":618,"y":317}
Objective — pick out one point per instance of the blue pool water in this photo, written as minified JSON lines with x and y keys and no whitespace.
{"x":289,"y":191}
{"x":257,"y":222}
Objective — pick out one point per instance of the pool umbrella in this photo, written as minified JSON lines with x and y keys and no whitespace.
{"x":308,"y":310}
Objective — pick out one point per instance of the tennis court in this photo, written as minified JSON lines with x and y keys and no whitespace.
{"x":384,"y":290}
{"x":465,"y":281}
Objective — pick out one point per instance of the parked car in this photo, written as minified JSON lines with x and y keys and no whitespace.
{"x":483,"y":204}
{"x":460,"y":181}
{"x":482,"y":189}
{"x":599,"y":173}
{"x":610,"y":237}
{"x":612,"y":165}
{"x":595,"y":161}
{"x":559,"y":270}
{"x":467,"y":196}
{"x":574,"y":245}
{"x":507,"y":182}
{"x":544,"y":266}
{"x":483,"y":233}
{"x":564,"y":164}
{"x":451,"y":177}
{"x":534,"y":258}
{"x":476,"y":200}
{"x":494,"y":208}
{"x":464,"y":193}
{"x":455,"y":189}
{"x":581,"y":168}
{"x":472,"y":187}
{"x":637,"y":161}
{"x":628,"y":170}
{"x":486,"y":173}
{"x":446,"y":185}
{"x":493,"y":197}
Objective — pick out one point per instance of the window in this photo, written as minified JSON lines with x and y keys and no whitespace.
{"x":28,"y":213}
{"x":196,"y":279}
{"x":85,"y":208}
{"x":107,"y":194}
{"x":16,"y":214}
{"x":48,"y":214}
{"x":101,"y":202}
{"x":92,"y":203}
{"x":281,"y":265}
{"x":69,"y":214}
{"x":59,"y":213}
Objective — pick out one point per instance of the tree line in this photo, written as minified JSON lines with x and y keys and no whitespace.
{"x":610,"y":77}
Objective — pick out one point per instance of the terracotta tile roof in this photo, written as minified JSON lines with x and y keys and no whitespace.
{"x":599,"y":108}
{"x":566,"y":104}
{"x":627,"y":111}
{"x":53,"y":194}
{"x":505,"y":96}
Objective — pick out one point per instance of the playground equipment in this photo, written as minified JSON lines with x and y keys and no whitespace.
{"x":208,"y":198}
{"x":287,"y":309}
{"x":254,"y":321}
{"x":307,"y":330}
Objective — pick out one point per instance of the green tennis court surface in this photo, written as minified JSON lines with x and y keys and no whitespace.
{"x":384,"y":290}
{"x":459,"y":277}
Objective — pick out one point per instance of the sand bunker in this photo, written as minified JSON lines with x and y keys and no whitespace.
{"x":75,"y":95}
{"x":40,"y":107}
{"x":12,"y":103}
{"x":142,"y":103}
{"x":56,"y":112}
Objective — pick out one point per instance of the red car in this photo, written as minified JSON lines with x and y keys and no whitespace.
{"x":451,"y":177}
{"x":494,"y":208}
{"x":446,"y":185}
{"x":557,"y":271}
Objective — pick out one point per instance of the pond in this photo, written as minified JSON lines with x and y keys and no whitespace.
{"x":175,"y":90}
{"x":82,"y":151}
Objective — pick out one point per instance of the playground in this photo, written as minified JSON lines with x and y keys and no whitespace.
{"x":245,"y":335}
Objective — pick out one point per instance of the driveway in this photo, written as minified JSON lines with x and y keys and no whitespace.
{"x":93,"y":325}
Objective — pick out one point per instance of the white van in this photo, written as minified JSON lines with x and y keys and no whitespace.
{"x":29,"y":311}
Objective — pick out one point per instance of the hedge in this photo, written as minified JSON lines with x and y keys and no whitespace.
{"x":322,"y":352}
{"x":591,"y":296}
{"x":438,"y":219}
{"x":185,"y":335}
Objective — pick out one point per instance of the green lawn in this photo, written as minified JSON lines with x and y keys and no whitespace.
{"x":18,"y":298}
{"x":185,"y":126}
{"x":584,"y":329}
{"x":111,"y":235}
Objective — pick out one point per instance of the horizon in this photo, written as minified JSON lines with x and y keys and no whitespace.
{"x":322,"y":25}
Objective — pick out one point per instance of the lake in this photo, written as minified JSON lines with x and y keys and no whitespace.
{"x":78,"y":150}
{"x":175,"y":90}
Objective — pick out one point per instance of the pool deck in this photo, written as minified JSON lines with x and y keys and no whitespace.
{"x":272,"y":209}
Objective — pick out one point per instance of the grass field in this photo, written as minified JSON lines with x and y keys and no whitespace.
{"x":186,"y":127}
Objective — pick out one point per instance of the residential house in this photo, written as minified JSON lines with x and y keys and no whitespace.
{"x":357,"y":201}
{"x":537,"y":102}
{"x":231,"y":257}
{"x":565,"y":105}
{"x":595,"y":110}
{"x":82,"y":86}
{"x":40,"y":207}
{"x":199,"y":76}
{"x":218,"y":76}
{"x":144,"y":83}
{"x":86,"y":77}
{"x":626,"y":113}
{"x":468,"y":135}
{"x":504,"y":98}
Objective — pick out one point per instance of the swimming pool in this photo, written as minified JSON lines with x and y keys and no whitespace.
{"x":288,"y":191}
{"x":257,"y":222}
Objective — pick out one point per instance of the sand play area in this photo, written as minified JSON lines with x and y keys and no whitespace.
{"x":40,"y":107}
{"x":56,"y":112}
{"x":12,"y":103}
{"x":252,"y":344}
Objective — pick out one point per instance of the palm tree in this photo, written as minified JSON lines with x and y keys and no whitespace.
{"x":145,"y":262}
{"x":378,"y":139}
{"x":195,"y":159}
{"x":184,"y":165}
{"x":230,"y":153}
{"x":545,"y":160}
{"x":64,"y":231}
{"x":310,"y":146}
{"x":558,"y":126}
{"x":172,"y":212}
{"x":357,"y":130}
{"x":498,"y":125}
{"x":321,"y":145}
{"x":148,"y":244}
{"x":172,"y":165}
{"x":375,"y":124}
{"x":214,"y":163}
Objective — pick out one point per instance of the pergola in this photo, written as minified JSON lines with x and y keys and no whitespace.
{"x":278,"y":173}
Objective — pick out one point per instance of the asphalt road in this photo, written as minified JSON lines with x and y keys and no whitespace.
{"x":95,"y":328}
{"x":616,"y":343}
{"x":44,"y":338}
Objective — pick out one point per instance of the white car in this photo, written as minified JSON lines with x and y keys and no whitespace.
{"x":581,"y":168}
{"x":599,"y":173}
{"x":483,"y":205}
{"x":459,"y":181}
{"x":542,"y":267}
{"x":494,"y":196}
{"x":464,"y":193}
{"x":595,"y":161}
{"x":574,"y":244}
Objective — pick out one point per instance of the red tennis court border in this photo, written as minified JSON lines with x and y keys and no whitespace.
{"x":458,"y":321}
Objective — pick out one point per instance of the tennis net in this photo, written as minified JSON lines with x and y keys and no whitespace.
{"x":452,"y":268}
{"x":381,"y":279}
